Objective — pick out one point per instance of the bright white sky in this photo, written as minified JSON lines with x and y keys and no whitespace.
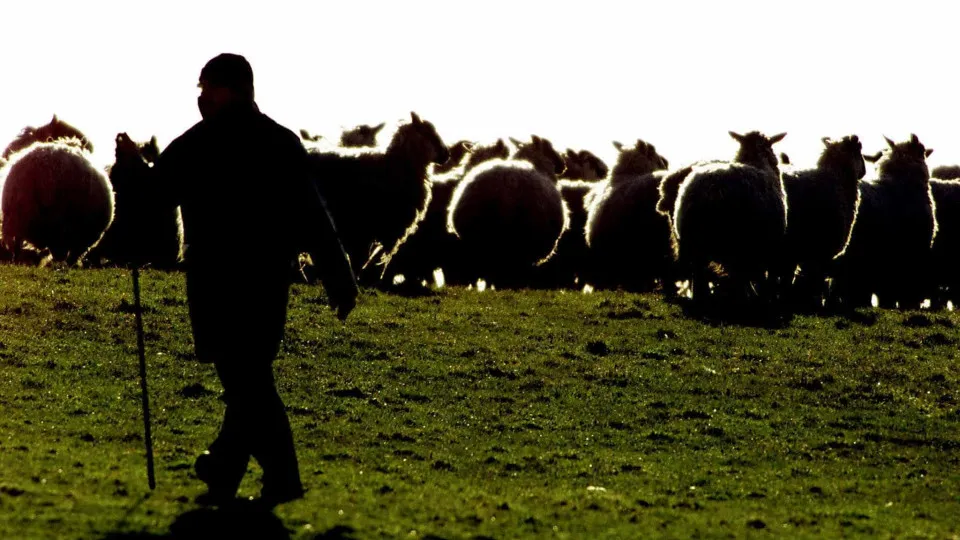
{"x":678,"y":73}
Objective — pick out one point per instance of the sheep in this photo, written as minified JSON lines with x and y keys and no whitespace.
{"x":893,"y":231}
{"x":143,"y":231}
{"x":946,"y":172}
{"x":945,"y":285}
{"x":376,"y":198}
{"x":509,"y":214}
{"x":628,"y":240}
{"x":822,"y":203}
{"x":432,"y":246}
{"x":54,"y":198}
{"x":362,"y":136}
{"x":55,"y":130}
{"x":583,"y":165}
{"x":733,"y":215}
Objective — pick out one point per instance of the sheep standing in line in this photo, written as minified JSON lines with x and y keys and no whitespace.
{"x":54,"y":198}
{"x":376,"y":199}
{"x":432,"y":246}
{"x":144,"y":231}
{"x":362,"y":136}
{"x":733,"y":215}
{"x":821,"y":206}
{"x":895,"y":226}
{"x":629,"y":241}
{"x":945,"y":285}
{"x":509,"y":214}
{"x":55,"y":130}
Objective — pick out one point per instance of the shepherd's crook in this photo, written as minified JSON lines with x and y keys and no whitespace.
{"x":145,"y":399}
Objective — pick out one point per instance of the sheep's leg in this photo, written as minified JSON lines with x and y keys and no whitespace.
{"x":700,"y":284}
{"x":809,"y":288}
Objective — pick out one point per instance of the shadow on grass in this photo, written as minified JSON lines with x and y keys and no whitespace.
{"x":237,"y":521}
{"x":755,"y":314}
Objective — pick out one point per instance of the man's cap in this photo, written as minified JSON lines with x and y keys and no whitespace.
{"x":229,"y":71}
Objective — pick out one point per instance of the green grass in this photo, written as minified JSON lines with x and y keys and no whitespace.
{"x":494,"y":414}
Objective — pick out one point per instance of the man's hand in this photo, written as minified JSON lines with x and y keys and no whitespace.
{"x":343,"y":306}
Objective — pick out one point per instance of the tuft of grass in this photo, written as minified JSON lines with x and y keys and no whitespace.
{"x":486,"y":415}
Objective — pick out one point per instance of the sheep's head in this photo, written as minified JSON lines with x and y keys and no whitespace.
{"x":458,"y":151}
{"x":132,"y":161}
{"x":419,"y":139}
{"x":844,"y":156}
{"x":126,"y":149}
{"x":756,"y":149}
{"x":639,"y":159}
{"x":583,"y":165}
{"x":479,"y":154}
{"x":360,"y":136}
{"x":130,"y":154}
{"x":541,"y":154}
{"x":310,"y":137}
{"x":55,"y":130}
{"x":910,"y":153}
{"x":912,"y":149}
{"x":150,"y":151}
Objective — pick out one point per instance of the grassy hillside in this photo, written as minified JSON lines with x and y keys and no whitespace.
{"x":487,"y":415}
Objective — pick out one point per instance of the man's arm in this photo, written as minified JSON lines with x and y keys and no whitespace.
{"x":323,"y":243}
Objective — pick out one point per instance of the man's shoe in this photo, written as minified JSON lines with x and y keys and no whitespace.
{"x":274,"y":496}
{"x":221,"y":476}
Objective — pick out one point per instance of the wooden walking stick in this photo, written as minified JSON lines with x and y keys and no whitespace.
{"x":144,"y":397}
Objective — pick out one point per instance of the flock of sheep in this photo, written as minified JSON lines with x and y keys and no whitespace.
{"x":748,"y":231}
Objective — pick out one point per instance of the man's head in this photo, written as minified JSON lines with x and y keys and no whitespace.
{"x":227,"y":79}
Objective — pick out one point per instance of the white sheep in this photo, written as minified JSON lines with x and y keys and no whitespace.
{"x":509,"y":214}
{"x":733,"y":215}
{"x":54,"y":198}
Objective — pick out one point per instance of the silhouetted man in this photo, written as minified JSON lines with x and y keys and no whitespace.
{"x":248,"y":208}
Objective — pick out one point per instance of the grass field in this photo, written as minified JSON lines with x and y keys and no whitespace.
{"x":487,"y":415}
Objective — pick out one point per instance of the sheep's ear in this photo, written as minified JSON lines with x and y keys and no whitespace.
{"x":153,"y":142}
{"x":54,"y":120}
{"x":826,"y":141}
{"x":890,"y":143}
{"x":500,"y":144}
{"x":515,"y":142}
{"x":535,"y":139}
{"x":618,"y":145}
{"x":928,"y":152}
{"x":872,"y":158}
{"x":305,"y":134}
{"x":415,"y":118}
{"x":376,"y":129}
{"x":736,"y":136}
{"x":777,"y":138}
{"x":913,"y":138}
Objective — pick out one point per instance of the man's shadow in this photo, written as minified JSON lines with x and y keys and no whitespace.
{"x":240,"y":520}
